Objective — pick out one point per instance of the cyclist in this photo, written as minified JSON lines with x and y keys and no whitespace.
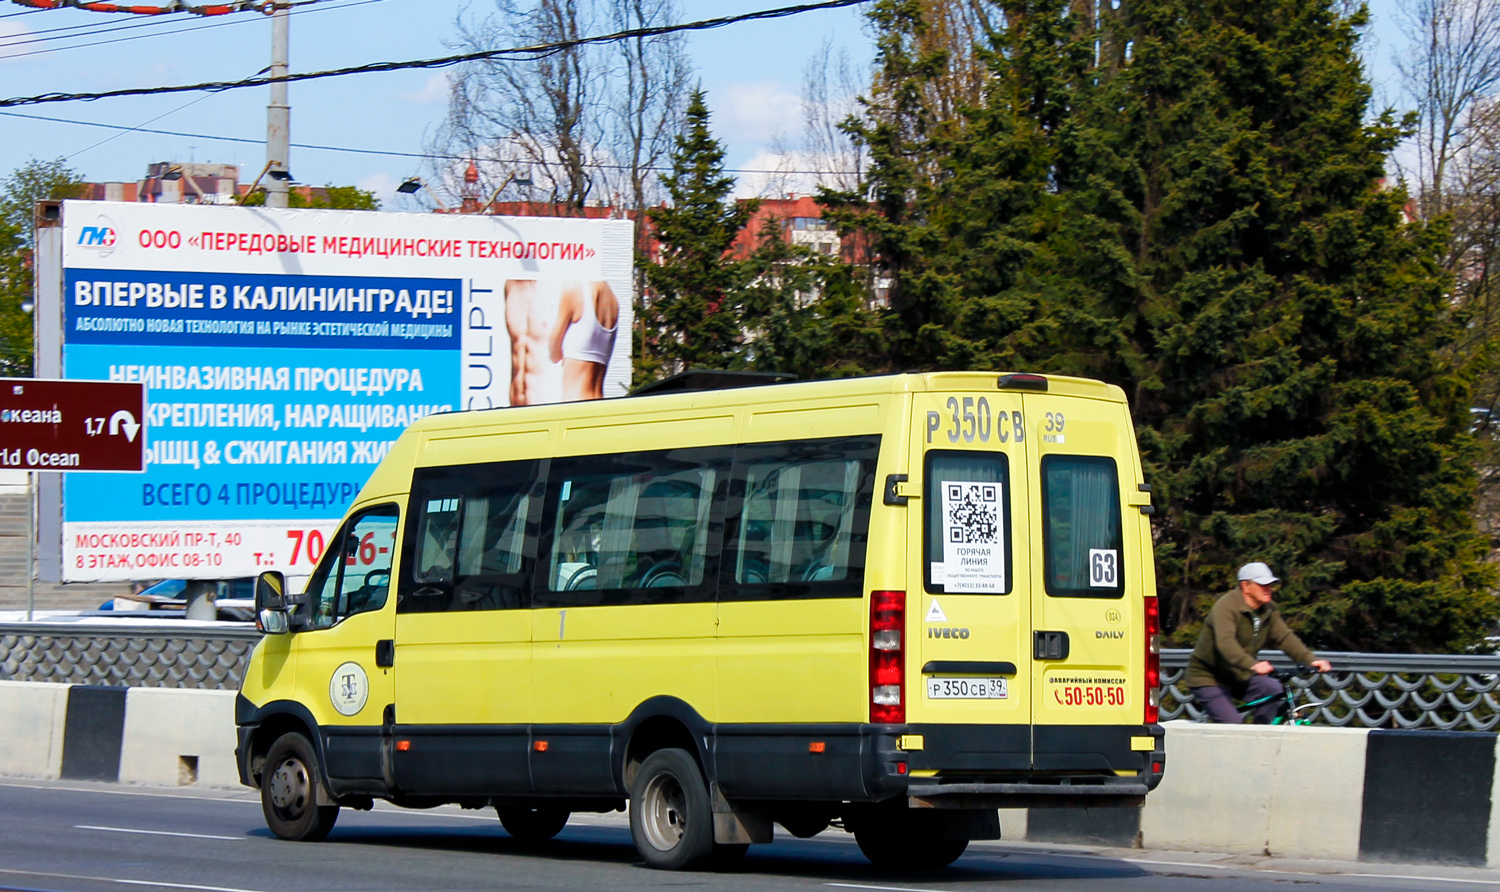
{"x":1226,"y":664}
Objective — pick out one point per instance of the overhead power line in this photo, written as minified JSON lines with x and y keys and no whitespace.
{"x":154,"y":22}
{"x":386,"y":152}
{"x":531,"y":52}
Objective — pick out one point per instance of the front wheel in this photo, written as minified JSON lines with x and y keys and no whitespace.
{"x":533,"y":824}
{"x":671,"y":819}
{"x":289,"y":791}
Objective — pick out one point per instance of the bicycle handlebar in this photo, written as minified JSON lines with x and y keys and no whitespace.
{"x":1299,"y":672}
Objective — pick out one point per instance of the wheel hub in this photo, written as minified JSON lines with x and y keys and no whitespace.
{"x":665,"y":812}
{"x":290,"y":786}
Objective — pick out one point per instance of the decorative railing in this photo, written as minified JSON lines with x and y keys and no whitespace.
{"x":1439,"y":692}
{"x":155,"y":656}
{"x":1365,"y":690}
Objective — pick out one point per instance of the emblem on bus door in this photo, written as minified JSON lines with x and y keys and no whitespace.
{"x":349,"y":689}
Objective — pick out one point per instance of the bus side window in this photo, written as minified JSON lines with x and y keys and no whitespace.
{"x":803,"y":518}
{"x":1084,"y":555}
{"x":640,"y":523}
{"x":471,"y":544}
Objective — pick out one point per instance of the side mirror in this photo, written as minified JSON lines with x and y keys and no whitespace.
{"x":270,"y":603}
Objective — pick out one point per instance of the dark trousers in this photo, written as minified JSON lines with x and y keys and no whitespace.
{"x":1219,"y":703}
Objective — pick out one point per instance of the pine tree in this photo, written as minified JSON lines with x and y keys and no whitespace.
{"x":900,"y":132}
{"x":1301,"y":405}
{"x":1186,"y":199}
{"x":693,"y":316}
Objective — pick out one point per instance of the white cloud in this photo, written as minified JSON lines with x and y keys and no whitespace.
{"x":432,"y":93}
{"x":756,"y":112}
{"x":778,"y":173}
{"x":10,"y":34}
{"x":383,"y":185}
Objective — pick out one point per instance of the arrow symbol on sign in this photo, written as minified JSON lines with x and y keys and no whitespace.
{"x":124,"y":419}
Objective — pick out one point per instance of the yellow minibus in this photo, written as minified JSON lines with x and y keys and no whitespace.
{"x":895,"y":604}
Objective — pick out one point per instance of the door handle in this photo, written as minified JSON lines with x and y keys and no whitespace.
{"x":1050,"y":645}
{"x":385,"y":653}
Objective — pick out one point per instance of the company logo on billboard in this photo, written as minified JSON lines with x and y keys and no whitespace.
{"x":100,"y":237}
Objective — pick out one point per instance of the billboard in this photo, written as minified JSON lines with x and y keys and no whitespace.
{"x":283,"y":351}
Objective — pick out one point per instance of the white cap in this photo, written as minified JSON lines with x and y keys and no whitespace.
{"x":1257,"y":572}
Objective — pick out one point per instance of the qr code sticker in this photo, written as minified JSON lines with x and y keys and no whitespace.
{"x":973,"y":514}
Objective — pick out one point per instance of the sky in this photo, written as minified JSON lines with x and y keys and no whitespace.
{"x":752,"y":74}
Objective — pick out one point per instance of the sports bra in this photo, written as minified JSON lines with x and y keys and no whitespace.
{"x":586,"y":339}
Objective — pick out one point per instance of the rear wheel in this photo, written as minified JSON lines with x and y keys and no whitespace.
{"x":671,"y":819}
{"x":906,"y":843}
{"x":533,"y":824}
{"x":289,"y":791}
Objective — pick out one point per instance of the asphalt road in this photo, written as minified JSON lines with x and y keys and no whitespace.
{"x":57,"y":836}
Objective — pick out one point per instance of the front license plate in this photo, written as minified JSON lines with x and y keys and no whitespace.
{"x":966,"y":688}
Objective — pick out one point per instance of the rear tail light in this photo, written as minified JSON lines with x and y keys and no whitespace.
{"x":1153,"y":661}
{"x":888,"y":657}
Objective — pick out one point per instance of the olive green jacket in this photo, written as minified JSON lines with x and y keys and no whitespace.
{"x":1230,"y":642}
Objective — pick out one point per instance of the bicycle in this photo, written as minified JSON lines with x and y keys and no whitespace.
{"x":1287,"y":712}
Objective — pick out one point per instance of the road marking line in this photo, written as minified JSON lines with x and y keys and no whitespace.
{"x":182,"y":886}
{"x":1402,"y":876}
{"x":1173,"y":863}
{"x":79,"y":876}
{"x":106,"y":792}
{"x":882,"y":888}
{"x":156,"y":832}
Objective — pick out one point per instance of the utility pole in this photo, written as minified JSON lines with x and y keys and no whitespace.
{"x":278,"y":116}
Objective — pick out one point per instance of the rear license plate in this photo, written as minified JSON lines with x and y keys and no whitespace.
{"x":966,"y":688}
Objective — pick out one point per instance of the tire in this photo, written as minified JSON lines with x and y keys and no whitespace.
{"x":533,"y":824}
{"x":897,"y":846}
{"x":289,"y":791}
{"x":671,"y":819}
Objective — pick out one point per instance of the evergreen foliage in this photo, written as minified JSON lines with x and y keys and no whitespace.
{"x":1186,"y":199}
{"x":32,"y":182}
{"x":694,"y":318}
{"x":341,"y":198}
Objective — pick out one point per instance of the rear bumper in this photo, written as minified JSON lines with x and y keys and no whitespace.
{"x":1117,"y":793}
{"x":1022,"y":766}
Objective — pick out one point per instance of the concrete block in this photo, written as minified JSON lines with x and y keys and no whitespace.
{"x":32,"y":718}
{"x":179,"y":736}
{"x":1255,"y":789}
{"x":1013,"y":823}
{"x":1318,"y":792}
{"x":1492,"y":846}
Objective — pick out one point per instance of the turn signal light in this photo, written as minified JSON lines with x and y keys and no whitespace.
{"x":817,"y":746}
{"x":403,"y":745}
{"x":540,"y":746}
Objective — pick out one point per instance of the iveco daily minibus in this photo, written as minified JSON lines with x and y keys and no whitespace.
{"x":897,"y":603}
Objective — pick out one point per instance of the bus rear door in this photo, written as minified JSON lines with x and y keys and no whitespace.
{"x":1087,"y":644}
{"x":969,"y":629}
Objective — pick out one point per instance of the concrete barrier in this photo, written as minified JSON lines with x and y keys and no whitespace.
{"x":31,"y":728}
{"x":1304,"y":792}
{"x":1343,"y":794}
{"x":1292,"y":791}
{"x":178,"y":736}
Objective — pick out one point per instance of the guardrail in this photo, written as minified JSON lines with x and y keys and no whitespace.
{"x":1436,"y":691}
{"x":109,"y":653}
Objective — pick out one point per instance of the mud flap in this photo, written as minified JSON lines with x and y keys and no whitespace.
{"x":734,"y":824}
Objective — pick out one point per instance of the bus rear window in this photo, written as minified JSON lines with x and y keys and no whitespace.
{"x":1081,"y":527}
{"x":966,"y":532}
